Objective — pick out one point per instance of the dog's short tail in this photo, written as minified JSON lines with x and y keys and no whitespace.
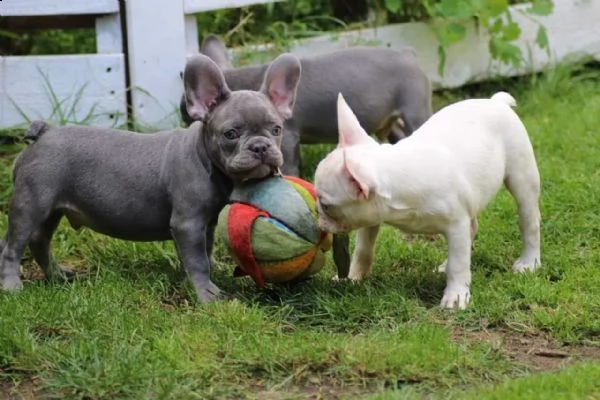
{"x":505,"y":98}
{"x":36,"y":130}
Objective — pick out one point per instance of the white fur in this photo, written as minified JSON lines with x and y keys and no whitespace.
{"x":435,"y":181}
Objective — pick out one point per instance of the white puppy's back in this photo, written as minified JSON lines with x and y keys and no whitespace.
{"x":475,"y":144}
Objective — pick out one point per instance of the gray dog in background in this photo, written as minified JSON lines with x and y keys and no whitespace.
{"x":150,"y":187}
{"x":387,"y":89}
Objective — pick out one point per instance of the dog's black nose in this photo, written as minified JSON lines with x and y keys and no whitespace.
{"x":259,"y":148}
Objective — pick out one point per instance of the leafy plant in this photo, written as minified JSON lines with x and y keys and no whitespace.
{"x":449,"y":20}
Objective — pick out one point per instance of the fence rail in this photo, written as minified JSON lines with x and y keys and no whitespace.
{"x":57,"y":7}
{"x":76,"y":88}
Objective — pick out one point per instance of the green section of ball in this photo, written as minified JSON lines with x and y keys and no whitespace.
{"x":282,"y":201}
{"x":272,"y":242}
{"x":221,"y":230}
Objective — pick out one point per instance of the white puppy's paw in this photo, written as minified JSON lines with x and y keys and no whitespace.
{"x":358,"y":271}
{"x":336,"y":278}
{"x":442,"y":267}
{"x":526,"y":264}
{"x":456,"y":297}
{"x":356,"y":276}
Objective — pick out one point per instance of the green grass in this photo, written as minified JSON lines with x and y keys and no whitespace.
{"x":131,"y":329}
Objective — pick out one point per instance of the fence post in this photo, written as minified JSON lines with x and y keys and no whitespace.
{"x":157,"y":53}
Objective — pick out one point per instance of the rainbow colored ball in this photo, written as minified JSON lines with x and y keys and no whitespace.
{"x":270,"y":229}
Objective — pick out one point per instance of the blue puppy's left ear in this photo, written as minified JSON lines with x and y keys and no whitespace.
{"x":281,"y":82}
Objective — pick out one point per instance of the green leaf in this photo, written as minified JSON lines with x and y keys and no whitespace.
{"x":450,"y":33}
{"x":511,"y":31}
{"x":504,"y":51}
{"x":541,"y":39}
{"x":442,"y":62}
{"x":496,"y":27}
{"x":9,"y":35}
{"x":393,"y":5}
{"x":541,"y":7}
{"x":455,"y":9}
{"x":496,"y":7}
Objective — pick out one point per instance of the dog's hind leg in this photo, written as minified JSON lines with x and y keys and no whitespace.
{"x":524,"y":185}
{"x":39,"y":244}
{"x":24,"y":218}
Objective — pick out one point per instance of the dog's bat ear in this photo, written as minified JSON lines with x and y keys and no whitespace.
{"x":281,"y":83}
{"x":204,"y":86}
{"x":349,"y":130}
{"x":359,"y":176}
{"x":214,"y":48}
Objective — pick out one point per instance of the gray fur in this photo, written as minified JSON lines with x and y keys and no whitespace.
{"x":387,"y":89}
{"x":214,"y":48}
{"x":148,"y":187}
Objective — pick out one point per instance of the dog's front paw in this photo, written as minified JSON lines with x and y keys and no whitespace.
{"x":456,"y":297}
{"x":358,"y":271}
{"x":11,"y":284}
{"x":356,"y":277}
{"x":208,"y":292}
{"x":526,"y":264}
{"x":336,"y":278}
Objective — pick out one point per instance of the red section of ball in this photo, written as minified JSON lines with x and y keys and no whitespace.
{"x":241,"y":217}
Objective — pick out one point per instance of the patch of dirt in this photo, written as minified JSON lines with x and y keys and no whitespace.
{"x":535,"y":350}
{"x":24,"y":390}
{"x":30,"y":271}
{"x":310,"y":392}
{"x":28,"y":389}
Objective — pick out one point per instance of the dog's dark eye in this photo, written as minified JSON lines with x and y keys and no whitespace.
{"x":277,"y":131}
{"x":231,"y":134}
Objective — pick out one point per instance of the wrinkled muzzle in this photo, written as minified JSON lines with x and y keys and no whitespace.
{"x":257,"y":158}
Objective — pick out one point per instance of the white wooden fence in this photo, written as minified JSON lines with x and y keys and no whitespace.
{"x":93,"y":87}
{"x":82,"y":84}
{"x":573,"y":31}
{"x":160,"y":34}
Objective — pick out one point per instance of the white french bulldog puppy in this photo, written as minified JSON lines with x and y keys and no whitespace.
{"x":433,"y":182}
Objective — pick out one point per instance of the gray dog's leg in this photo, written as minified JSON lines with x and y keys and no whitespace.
{"x":25,"y":217}
{"x":210,"y":235}
{"x":341,"y":254}
{"x":190,"y":237}
{"x":39,"y":244}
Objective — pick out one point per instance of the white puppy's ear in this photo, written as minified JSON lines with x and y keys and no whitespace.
{"x":360,"y":175}
{"x":349,"y":129}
